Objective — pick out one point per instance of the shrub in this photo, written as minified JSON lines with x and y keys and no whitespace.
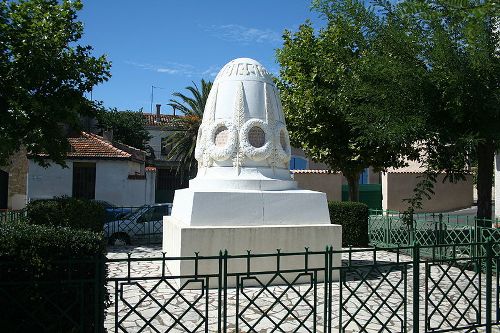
{"x":353,"y":217}
{"x":67,"y":212}
{"x":51,"y":278}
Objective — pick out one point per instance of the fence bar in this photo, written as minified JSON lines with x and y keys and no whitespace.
{"x":219,"y":294}
{"x":489,"y":294}
{"x":416,"y":287}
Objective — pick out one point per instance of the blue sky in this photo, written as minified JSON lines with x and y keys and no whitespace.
{"x":169,"y":44}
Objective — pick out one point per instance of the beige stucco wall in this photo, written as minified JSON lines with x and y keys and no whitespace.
{"x":18,"y":170}
{"x":329,"y":183}
{"x":447,"y":197}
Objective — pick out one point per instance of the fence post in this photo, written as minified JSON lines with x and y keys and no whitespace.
{"x":219,"y":292}
{"x":99,"y":285}
{"x":489,"y":294}
{"x":416,"y":287}
{"x":225,"y":292}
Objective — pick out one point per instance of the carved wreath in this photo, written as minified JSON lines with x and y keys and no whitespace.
{"x":283,"y":154}
{"x":226,"y":151}
{"x":254,"y":153}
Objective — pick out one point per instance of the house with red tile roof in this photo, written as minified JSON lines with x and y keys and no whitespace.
{"x":97,"y":168}
{"x":160,"y":126}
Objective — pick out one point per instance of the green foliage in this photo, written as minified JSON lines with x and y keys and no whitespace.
{"x":353,"y":217}
{"x":67,"y":212}
{"x":459,"y":47}
{"x":38,"y":245}
{"x":439,"y":66}
{"x":51,"y":278}
{"x":183,"y":140}
{"x":128,"y":126}
{"x":44,"y":74}
{"x":347,"y":101}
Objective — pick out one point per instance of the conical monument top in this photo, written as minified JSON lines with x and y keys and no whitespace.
{"x":243,"y":136}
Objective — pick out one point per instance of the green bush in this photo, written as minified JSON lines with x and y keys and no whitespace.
{"x":67,"y":212}
{"x":353,"y":217}
{"x":51,"y":278}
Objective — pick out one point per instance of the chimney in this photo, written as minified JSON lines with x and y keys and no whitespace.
{"x":108,"y":135}
{"x":158,"y":110}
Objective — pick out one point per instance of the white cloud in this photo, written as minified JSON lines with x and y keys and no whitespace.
{"x":242,"y":34}
{"x":173,"y":68}
{"x":167,"y":70}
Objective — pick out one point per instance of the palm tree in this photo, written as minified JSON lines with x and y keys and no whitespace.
{"x":183,"y":140}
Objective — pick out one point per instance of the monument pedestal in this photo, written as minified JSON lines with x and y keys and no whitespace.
{"x":208,"y":222}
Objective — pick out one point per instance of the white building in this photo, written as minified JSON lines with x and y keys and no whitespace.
{"x":99,"y":169}
{"x":160,"y":126}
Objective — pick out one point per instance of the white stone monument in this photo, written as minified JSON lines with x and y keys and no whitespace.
{"x":243,"y":197}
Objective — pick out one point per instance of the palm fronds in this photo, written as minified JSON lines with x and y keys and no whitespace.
{"x":183,"y":141}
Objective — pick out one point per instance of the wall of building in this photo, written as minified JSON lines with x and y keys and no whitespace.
{"x":329,"y":183}
{"x":112,"y":182}
{"x":157,"y":134}
{"x":17,"y":170}
{"x":447,"y":197}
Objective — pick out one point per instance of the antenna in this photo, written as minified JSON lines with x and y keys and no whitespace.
{"x":152,"y":95}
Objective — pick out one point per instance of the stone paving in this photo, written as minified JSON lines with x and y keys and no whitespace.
{"x":151,"y":304}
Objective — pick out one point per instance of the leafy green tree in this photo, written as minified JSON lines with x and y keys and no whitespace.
{"x":337,"y":85}
{"x":453,"y":47}
{"x":183,"y":140}
{"x":44,"y":74}
{"x":459,"y":47}
{"x":128,"y":126}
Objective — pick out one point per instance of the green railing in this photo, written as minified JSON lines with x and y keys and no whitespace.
{"x":12,"y":215}
{"x":65,"y":296}
{"x":370,"y":290}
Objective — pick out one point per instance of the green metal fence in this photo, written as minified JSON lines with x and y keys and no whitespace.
{"x":369,"y":290}
{"x":65,"y":296}
{"x":12,"y":215}
{"x":372,"y":290}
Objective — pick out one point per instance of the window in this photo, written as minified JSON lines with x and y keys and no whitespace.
{"x":84,"y":180}
{"x":298,"y":163}
{"x":363,"y":178}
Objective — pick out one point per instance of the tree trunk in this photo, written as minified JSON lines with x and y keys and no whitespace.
{"x":353,"y":181}
{"x":485,"y":157}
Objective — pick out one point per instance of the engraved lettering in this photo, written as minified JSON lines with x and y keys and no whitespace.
{"x":242,"y":70}
{"x":252,"y":69}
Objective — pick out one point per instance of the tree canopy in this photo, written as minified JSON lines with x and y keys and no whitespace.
{"x":387,"y":75}
{"x":128,"y":126}
{"x":44,"y":75}
{"x":458,"y":45}
{"x":346,"y":102}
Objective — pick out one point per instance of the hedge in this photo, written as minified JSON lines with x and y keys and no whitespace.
{"x":52,"y":279}
{"x":353,"y":217}
{"x":67,"y":212}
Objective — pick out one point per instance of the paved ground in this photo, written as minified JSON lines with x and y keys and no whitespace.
{"x":370,"y":303}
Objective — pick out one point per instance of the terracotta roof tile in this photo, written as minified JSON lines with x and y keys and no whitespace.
{"x":165,"y":119}
{"x":92,"y":145}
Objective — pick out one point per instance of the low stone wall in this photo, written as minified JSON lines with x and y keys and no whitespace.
{"x":397,"y":186}
{"x":17,"y":170}
{"x":320,"y":180}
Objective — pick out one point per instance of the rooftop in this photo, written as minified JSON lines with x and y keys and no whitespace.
{"x":92,"y":145}
{"x":152,"y":119}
